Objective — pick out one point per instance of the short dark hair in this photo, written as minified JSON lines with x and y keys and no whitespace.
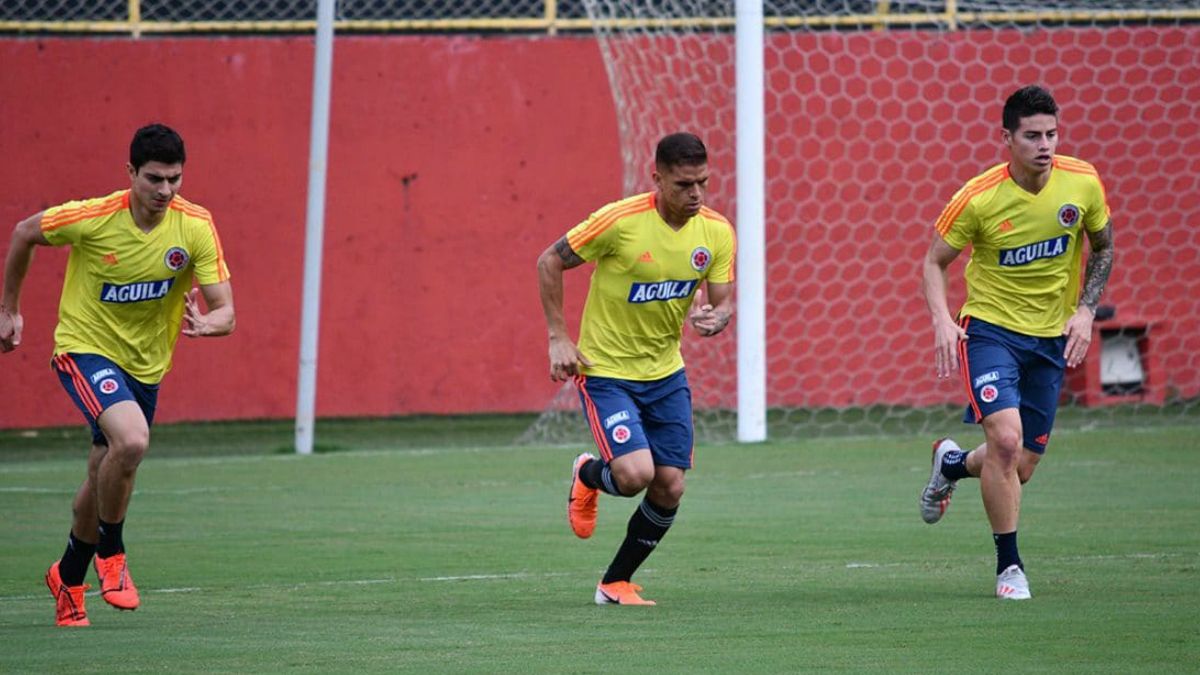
{"x":1027,"y":102}
{"x":156,"y":143}
{"x":680,"y":148}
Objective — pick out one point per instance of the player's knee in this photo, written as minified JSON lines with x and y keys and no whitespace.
{"x":669,"y":495}
{"x":1005,"y":445}
{"x":128,"y":449}
{"x":1026,"y":469}
{"x":632,"y":479}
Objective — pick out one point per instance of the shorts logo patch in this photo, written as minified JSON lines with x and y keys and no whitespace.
{"x":109,"y":386}
{"x":701,"y":257}
{"x":1068,"y":215}
{"x":989,"y":393}
{"x":616,"y":417}
{"x":101,"y":374}
{"x":621,"y":434}
{"x":986,"y":377}
{"x":1043,"y":439}
{"x":176,"y":258}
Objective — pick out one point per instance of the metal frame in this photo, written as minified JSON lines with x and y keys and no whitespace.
{"x":550,"y":22}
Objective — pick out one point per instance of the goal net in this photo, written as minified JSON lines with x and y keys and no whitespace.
{"x":876,"y":113}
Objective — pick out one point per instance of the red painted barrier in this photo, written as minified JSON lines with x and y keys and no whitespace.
{"x":454,"y":162}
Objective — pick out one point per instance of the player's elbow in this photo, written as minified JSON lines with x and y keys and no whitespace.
{"x":549,"y":263}
{"x":225,"y":322}
{"x":28,"y":233}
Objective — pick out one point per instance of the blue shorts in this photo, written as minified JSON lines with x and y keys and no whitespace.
{"x":1004,"y":369}
{"x":96,"y":383}
{"x":629,"y":415}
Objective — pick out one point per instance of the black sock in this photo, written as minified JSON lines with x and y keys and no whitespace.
{"x":75,"y":560}
{"x":589,"y":473}
{"x":110,"y":539}
{"x":596,"y":474}
{"x":954,"y":465}
{"x":1006,"y":551}
{"x":647,"y":526}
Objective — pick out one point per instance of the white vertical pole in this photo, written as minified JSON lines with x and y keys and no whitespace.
{"x":751,"y":209}
{"x":318,"y":155}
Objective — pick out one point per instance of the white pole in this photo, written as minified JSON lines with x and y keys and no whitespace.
{"x":751,"y":209}
{"x":318,"y":154}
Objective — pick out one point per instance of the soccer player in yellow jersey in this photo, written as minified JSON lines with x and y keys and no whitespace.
{"x":1024,"y":320}
{"x":652,"y":253}
{"x":126,"y":297}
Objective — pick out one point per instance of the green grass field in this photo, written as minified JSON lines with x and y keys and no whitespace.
{"x":433,"y":546}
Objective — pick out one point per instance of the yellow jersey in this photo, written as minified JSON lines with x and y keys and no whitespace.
{"x":645,"y":279}
{"x":1024,"y":271}
{"x":123,"y":294}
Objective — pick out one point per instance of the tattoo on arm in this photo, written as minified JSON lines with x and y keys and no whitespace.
{"x":568,"y":257}
{"x":1099,"y":266}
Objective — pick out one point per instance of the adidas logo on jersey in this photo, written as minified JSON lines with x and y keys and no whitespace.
{"x":138,"y":291}
{"x":1023,"y":255}
{"x":661,"y":290}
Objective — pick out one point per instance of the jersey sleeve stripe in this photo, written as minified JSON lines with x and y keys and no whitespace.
{"x":981,"y":183}
{"x":222,"y":269}
{"x":181,"y":204}
{"x":612,"y":214}
{"x":72,"y":216}
{"x":603,"y":223}
{"x":629,"y":204}
{"x":1071,"y":163}
{"x":200,"y":213}
{"x":1078,"y":166}
{"x":1075,"y":168}
{"x":951,"y":212}
{"x":956,"y":206}
{"x":733,"y":263}
{"x":116,"y":199}
{"x":709,"y":213}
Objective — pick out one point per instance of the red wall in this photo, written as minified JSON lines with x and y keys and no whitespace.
{"x":455,"y":160}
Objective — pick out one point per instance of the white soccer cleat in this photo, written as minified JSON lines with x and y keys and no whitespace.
{"x":935,"y":498}
{"x":1011,"y":584}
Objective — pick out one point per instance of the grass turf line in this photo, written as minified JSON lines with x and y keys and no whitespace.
{"x":785,"y":557}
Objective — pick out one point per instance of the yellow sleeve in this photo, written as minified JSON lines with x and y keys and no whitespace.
{"x":66,"y":224}
{"x":724,"y":257}
{"x":208,"y":260}
{"x":957,"y":224}
{"x":1097,"y":211}
{"x":594,"y":237}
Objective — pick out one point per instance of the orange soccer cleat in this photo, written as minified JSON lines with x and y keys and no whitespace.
{"x":116,"y":586}
{"x":68,"y":600}
{"x":620,"y":593}
{"x":581,"y":503}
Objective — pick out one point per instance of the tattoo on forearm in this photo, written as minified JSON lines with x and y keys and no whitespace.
{"x":1099,"y":266}
{"x":568,"y":257}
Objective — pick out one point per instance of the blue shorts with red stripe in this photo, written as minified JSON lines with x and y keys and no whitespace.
{"x":629,"y":415}
{"x":95,"y":383}
{"x":1005,"y":369}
